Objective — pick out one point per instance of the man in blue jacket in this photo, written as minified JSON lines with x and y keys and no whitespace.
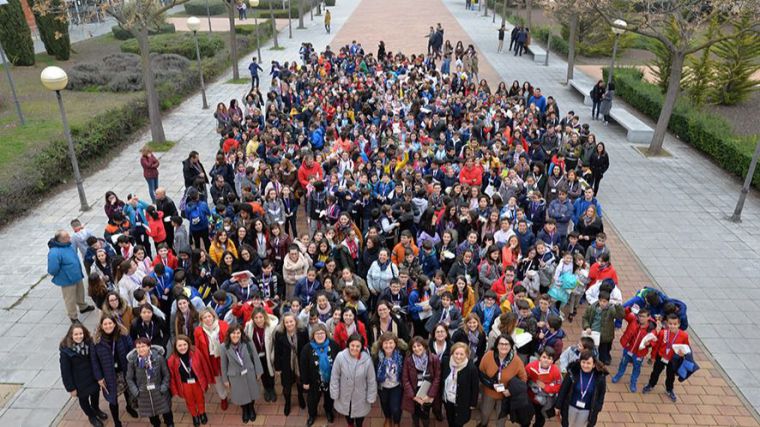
{"x":64,"y":266}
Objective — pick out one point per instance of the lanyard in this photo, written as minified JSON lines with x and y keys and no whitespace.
{"x":502,"y":365}
{"x":187,"y":369}
{"x":147,"y":334}
{"x":669,"y":343}
{"x":584,"y":390}
{"x":259,"y":340}
{"x":239,"y":356}
{"x":247,"y":292}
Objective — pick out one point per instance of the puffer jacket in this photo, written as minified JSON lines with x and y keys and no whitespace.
{"x":63,"y":263}
{"x":152,"y":391}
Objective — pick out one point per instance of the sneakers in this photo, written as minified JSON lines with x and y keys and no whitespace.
{"x":632,"y":388}
{"x":671,"y":395}
{"x":647,"y":388}
{"x":87,"y":309}
{"x":616,"y":379}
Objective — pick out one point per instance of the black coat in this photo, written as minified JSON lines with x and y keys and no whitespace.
{"x":468,"y":387}
{"x":282,"y":354}
{"x":103,"y":366}
{"x":309,"y":364}
{"x":518,"y":405}
{"x":156,"y":332}
{"x":461,"y":336}
{"x":599,"y":163}
{"x":190,"y":172}
{"x":76,"y":372}
{"x":565,"y":396}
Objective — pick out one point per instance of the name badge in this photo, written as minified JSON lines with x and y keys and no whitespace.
{"x":499,"y":387}
{"x":151,"y":387}
{"x":580,"y":404}
{"x":191,"y":380}
{"x":243,"y":372}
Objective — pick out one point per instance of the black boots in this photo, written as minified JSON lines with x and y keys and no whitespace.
{"x":246,"y":414}
{"x":287,"y":407}
{"x":203,"y":418}
{"x":196,"y":421}
{"x":301,"y":401}
{"x":95,"y":421}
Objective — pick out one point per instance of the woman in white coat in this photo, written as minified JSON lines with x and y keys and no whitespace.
{"x":260,"y":329}
{"x":353,"y":386}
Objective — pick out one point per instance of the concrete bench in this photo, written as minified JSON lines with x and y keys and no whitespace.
{"x":638,"y":131}
{"x":539,"y":54}
{"x":583,"y":86}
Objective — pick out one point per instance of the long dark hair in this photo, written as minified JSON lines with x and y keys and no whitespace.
{"x":233,"y":328}
{"x":68,"y":340}
{"x":598,"y":365}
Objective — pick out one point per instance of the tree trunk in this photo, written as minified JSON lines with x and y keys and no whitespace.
{"x":300,"y":15}
{"x":233,"y":41}
{"x":529,"y":13}
{"x":504,"y":13}
{"x":571,"y":46}
{"x":274,"y":26}
{"x":154,"y":111}
{"x":674,"y":87}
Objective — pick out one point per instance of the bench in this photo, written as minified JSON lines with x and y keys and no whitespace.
{"x":583,"y":86}
{"x":638,"y":131}
{"x":539,"y":54}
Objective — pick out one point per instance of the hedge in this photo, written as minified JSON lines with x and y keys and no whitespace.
{"x":180,"y":44}
{"x":122,"y":34}
{"x":198,"y":7}
{"x":329,"y":3}
{"x":15,"y":34}
{"x":706,"y":132}
{"x":100,"y":138}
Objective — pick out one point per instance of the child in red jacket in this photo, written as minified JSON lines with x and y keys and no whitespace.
{"x":544,"y":382}
{"x":663,"y":348}
{"x":638,"y":326}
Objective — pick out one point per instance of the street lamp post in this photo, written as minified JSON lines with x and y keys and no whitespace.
{"x":548,"y":48}
{"x":618,"y":28}
{"x":55,"y":79}
{"x":13,"y":86}
{"x":254,"y":4}
{"x":194,"y":24}
{"x":737,"y":216}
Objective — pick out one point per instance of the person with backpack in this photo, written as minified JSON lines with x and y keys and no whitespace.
{"x":197,"y":214}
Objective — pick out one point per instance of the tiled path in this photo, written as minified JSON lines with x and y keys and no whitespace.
{"x":653,"y":203}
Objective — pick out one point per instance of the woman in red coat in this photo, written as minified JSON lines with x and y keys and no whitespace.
{"x":348,"y":326}
{"x":420,"y":366}
{"x":209,"y":337}
{"x":190,"y":376}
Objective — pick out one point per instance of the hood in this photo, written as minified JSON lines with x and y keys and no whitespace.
{"x":560,"y":335}
{"x":52,"y":243}
{"x":364,"y":358}
{"x":155,"y":351}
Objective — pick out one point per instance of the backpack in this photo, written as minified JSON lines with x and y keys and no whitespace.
{"x":195,"y":216}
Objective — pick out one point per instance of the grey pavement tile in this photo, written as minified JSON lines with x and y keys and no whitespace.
{"x":32,"y":417}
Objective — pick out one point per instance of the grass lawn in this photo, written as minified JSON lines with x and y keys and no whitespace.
{"x":43,"y":120}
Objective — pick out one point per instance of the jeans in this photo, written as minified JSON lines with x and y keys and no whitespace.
{"x":628,"y":357}
{"x":595,"y":107}
{"x":152,"y":185}
{"x":390,"y":402}
{"x":519,"y":48}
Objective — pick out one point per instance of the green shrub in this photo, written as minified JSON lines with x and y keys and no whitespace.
{"x":540,"y":34}
{"x":122,"y":34}
{"x":198,"y":7}
{"x":279,"y":13}
{"x":710,"y":134}
{"x":15,"y":34}
{"x":122,"y":72}
{"x":53,"y":27}
{"x":180,"y":44}
{"x":330,"y":3}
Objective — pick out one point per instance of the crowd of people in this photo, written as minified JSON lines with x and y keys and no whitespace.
{"x":450,"y":230}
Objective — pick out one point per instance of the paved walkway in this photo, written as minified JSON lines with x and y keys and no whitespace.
{"x":32,"y":318}
{"x":654,"y":223}
{"x":671,"y":212}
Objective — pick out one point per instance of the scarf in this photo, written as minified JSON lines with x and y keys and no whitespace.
{"x":353,"y":247}
{"x":421,"y":362}
{"x":389,"y":368}
{"x":214,"y":347}
{"x":81,"y":349}
{"x":450,"y":385}
{"x":473,"y":340}
{"x":325,"y":362}
{"x":351,"y":329}
{"x":384,"y":265}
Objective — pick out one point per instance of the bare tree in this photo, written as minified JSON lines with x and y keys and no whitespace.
{"x":274,"y":26}
{"x":138,"y":17}
{"x":231,"y":10}
{"x":651,"y":18}
{"x":301,"y":13}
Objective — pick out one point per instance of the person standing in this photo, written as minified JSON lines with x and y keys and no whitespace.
{"x":261,"y":330}
{"x":241,"y":367}
{"x":109,"y":363}
{"x":353,"y":386}
{"x":421,"y":369}
{"x":148,"y":381}
{"x":597,"y":93}
{"x":501,"y":39}
{"x":599,"y":163}
{"x":606,"y":105}
{"x":289,"y":341}
{"x":317,"y":359}
{"x":497,"y":368}
{"x":166,"y":205}
{"x":520,"y":42}
{"x":328,"y":18}
{"x":77,"y":375}
{"x":254,"y":68}
{"x":190,"y":377}
{"x":150,"y":164}
{"x":581,"y":396}
{"x":459,"y":379}
{"x":64,"y":266}
{"x":389,"y":367}
{"x":513,"y":37}
{"x":209,"y":337}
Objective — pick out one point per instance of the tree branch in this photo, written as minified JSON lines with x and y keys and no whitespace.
{"x":654,"y":35}
{"x":708,"y":43}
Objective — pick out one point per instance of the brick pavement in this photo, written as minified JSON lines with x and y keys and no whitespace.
{"x":708,"y":398}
